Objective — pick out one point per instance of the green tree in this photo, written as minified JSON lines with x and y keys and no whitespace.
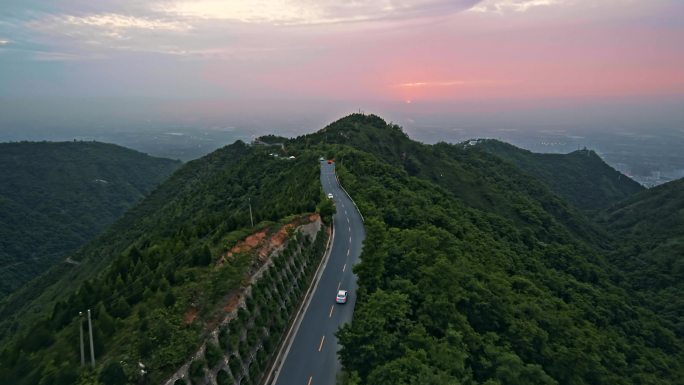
{"x":105,"y":321}
{"x":327,"y":209}
{"x":377,"y":332}
{"x":121,"y":308}
{"x":202,"y":256}
{"x":169,"y":299}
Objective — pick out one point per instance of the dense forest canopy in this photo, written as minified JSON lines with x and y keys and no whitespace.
{"x":54,"y":197}
{"x":477,"y":178}
{"x":581,"y":177}
{"x":474,"y":270}
{"x":143,"y":274}
{"x":456,"y":291}
{"x":649,"y":229}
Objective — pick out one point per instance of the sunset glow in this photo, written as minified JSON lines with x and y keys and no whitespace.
{"x":418,"y":50}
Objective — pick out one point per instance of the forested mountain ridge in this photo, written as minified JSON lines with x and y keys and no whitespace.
{"x":652,"y":215}
{"x":142,"y":275}
{"x":453,"y":292}
{"x":473,"y":272}
{"x":580,"y":177}
{"x":56,"y":196}
{"x":477,"y":178}
{"x":649,"y":228}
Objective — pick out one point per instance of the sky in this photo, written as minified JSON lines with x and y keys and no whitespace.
{"x":74,"y":63}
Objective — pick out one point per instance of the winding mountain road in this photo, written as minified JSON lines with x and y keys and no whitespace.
{"x":311,"y":358}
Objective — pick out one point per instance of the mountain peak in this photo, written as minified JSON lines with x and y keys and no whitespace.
{"x":357,"y":118}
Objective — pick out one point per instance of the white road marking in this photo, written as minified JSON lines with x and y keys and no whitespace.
{"x":321,"y":345}
{"x":344,"y":267}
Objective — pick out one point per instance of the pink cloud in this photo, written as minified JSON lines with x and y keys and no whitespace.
{"x":411,"y":50}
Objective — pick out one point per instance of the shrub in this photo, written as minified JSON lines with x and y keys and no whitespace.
{"x":224,"y":378}
{"x":261,"y":357}
{"x":223,"y":338}
{"x":213,"y":354}
{"x":196,"y":370}
{"x":113,"y":374}
{"x":235,"y":365}
{"x":254,"y":370}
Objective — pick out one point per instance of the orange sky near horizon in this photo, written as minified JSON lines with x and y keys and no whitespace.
{"x":420,"y":51}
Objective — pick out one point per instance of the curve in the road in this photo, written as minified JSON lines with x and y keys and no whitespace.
{"x":311,"y":358}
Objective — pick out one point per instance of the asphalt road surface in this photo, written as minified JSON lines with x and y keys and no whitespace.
{"x":312,"y":357}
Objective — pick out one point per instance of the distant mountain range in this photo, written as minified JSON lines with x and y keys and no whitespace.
{"x":581,"y":177}
{"x":55,"y":197}
{"x":649,"y":232}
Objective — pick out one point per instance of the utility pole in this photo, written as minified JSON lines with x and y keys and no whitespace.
{"x":80,"y":322}
{"x":251,"y":219}
{"x":92,"y":348}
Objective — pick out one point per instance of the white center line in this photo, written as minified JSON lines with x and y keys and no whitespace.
{"x":331,"y":310}
{"x":344,"y":267}
{"x":321,"y":345}
{"x":309,"y":383}
{"x":348,"y":252}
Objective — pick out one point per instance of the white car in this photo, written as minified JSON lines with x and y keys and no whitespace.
{"x":342,"y":296}
{"x":330,"y":196}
